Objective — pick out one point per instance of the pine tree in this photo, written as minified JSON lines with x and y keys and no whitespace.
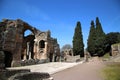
{"x":91,"y":39}
{"x":78,"y":46}
{"x":100,"y":39}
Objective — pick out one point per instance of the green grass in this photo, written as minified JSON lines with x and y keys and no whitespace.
{"x":107,"y":55}
{"x":112,"y":72}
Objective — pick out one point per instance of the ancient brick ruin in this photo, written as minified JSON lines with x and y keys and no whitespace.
{"x":115,"y":49}
{"x":17,"y":47}
{"x":68,"y":56}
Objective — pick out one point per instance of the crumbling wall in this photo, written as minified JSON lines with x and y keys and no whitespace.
{"x":11,"y":38}
{"x":38,"y":45}
{"x":68,"y":55}
{"x":115,"y":49}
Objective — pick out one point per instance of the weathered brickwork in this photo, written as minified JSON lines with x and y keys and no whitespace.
{"x":38,"y":45}
{"x":115,"y":49}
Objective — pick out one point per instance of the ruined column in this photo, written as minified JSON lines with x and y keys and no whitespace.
{"x":24,"y":56}
{"x":18,"y":48}
{"x":29,"y":55}
{"x":27,"y":48}
{"x":16,"y":55}
{"x":35,"y":49}
{"x":35,"y":52}
{"x":44,"y":55}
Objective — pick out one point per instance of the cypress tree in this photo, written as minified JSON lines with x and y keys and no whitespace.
{"x":100,"y":39}
{"x":91,"y":39}
{"x":78,"y":46}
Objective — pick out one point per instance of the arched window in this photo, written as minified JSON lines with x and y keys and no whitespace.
{"x":27,"y":32}
{"x":42,"y":44}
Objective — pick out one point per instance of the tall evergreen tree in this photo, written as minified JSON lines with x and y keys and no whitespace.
{"x":78,"y":46}
{"x":91,"y":39}
{"x":100,"y":39}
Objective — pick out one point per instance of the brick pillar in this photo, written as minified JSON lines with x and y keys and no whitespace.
{"x":17,"y":55}
{"x":24,"y":55}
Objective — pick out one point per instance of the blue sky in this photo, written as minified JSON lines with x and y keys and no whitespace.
{"x":61,"y":16}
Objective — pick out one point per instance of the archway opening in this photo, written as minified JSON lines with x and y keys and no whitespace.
{"x":27,"y":32}
{"x":28,"y":45}
{"x":8,"y":58}
{"x":42,"y":44}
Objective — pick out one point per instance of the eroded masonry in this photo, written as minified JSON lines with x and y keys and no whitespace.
{"x":18,"y":47}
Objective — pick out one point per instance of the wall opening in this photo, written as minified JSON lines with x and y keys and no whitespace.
{"x":42,"y":44}
{"x":27,"y":32}
{"x":8,"y":58}
{"x":28,"y":45}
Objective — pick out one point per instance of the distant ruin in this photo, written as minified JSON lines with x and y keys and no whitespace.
{"x":18,"y":47}
{"x":68,"y":56}
{"x":115,"y":49}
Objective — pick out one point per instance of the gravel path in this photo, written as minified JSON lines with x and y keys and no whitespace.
{"x":50,"y":68}
{"x":86,"y":71}
{"x":70,"y":71}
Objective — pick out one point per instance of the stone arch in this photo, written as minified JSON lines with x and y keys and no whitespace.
{"x":28,"y":46}
{"x":28,"y":27}
{"x":28,"y":42}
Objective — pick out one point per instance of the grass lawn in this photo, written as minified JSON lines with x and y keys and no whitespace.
{"x":112,"y":71}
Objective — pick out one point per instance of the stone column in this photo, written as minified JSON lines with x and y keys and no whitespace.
{"x":29,"y":55}
{"x":44,"y":55}
{"x":27,"y":48}
{"x":24,"y":55}
{"x":35,"y":49}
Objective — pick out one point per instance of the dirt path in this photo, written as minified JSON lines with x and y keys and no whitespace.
{"x":86,"y":71}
